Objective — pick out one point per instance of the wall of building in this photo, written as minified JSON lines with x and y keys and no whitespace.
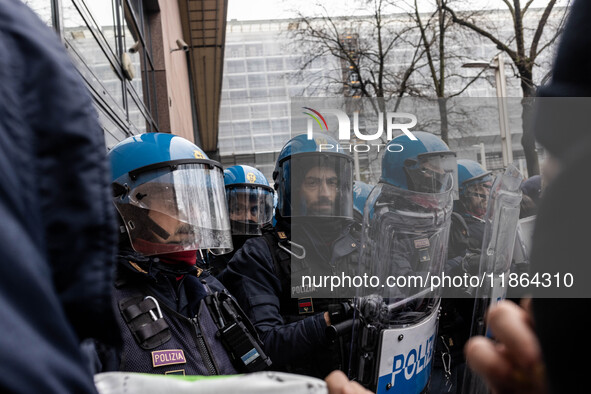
{"x":176,"y":70}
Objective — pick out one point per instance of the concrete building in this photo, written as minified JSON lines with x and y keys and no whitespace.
{"x":261,"y":78}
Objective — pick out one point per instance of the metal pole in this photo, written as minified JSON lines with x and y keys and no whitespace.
{"x":482,"y":156}
{"x":356,"y":161}
{"x":501,"y":87}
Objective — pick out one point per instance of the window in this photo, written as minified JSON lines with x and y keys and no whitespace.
{"x":275,"y":64}
{"x":255,"y":65}
{"x":276,"y":79}
{"x":262,"y":144}
{"x":99,"y":34}
{"x":257,"y":81}
{"x":279,"y":125}
{"x":237,"y":96}
{"x":236,"y":82}
{"x":261,"y":127}
{"x":93,"y":54}
{"x":243,"y":145}
{"x":258,"y":94}
{"x":259,"y":111}
{"x":235,"y":66}
{"x":240,"y":112}
{"x":235,"y":51}
{"x":278,"y":92}
{"x":254,"y":50}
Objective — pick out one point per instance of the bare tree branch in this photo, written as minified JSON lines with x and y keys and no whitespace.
{"x":527,"y":5}
{"x":482,"y":32}
{"x":538,"y":34}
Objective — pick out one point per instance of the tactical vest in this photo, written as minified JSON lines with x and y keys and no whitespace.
{"x":158,"y":340}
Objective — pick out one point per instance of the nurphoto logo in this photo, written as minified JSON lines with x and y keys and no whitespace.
{"x":392,"y":120}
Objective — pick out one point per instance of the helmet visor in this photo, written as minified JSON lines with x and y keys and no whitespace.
{"x":316,"y":185}
{"x":432,"y":172}
{"x":476,"y":197}
{"x":249,"y":208}
{"x":168,"y":211}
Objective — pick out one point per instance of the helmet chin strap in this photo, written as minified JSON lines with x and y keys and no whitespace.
{"x":156,"y":228}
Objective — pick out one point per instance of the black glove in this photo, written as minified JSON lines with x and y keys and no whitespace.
{"x":339,"y":312}
{"x":471,"y":263}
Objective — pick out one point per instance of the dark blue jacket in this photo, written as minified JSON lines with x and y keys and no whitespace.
{"x":251,"y":277}
{"x":57,"y":237}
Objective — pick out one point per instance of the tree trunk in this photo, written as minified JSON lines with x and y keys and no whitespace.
{"x":528,"y":140}
{"x":442,"y":104}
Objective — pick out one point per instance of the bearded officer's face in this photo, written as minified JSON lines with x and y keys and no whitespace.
{"x":319,"y":191}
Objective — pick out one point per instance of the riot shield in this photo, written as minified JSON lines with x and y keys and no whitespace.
{"x":501,"y":219}
{"x":523,"y":240}
{"x":404,"y":242}
{"x":521,"y":254}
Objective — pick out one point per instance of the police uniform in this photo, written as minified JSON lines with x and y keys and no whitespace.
{"x":165,"y":324}
{"x":291,"y":329}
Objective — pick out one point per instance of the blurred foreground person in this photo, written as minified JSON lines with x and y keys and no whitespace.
{"x":58,"y":228}
{"x":561,"y":237}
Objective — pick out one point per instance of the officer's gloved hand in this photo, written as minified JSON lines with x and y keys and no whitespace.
{"x":373,"y":308}
{"x":471,"y":263}
{"x":339,"y":312}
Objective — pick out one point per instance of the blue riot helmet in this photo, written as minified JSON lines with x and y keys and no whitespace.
{"x":169,"y":195}
{"x":424,"y":165}
{"x":249,"y":198}
{"x":361,"y":191}
{"x":314,"y":178}
{"x":474,"y":183}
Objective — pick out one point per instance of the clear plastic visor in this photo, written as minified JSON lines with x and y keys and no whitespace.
{"x":432,"y":172}
{"x":476,"y":198}
{"x":170,"y":211}
{"x":249,"y":209}
{"x":316,"y":185}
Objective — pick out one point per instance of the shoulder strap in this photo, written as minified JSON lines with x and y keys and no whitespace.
{"x":237,"y":334}
{"x":459,"y":225}
{"x":279,"y":257}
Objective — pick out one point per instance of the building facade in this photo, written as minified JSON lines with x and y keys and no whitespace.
{"x":141,"y":60}
{"x":262,"y":76}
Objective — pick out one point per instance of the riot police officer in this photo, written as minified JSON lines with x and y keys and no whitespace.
{"x":250,"y":204}
{"x":405,"y":235}
{"x":171,"y":314}
{"x":467,"y":224}
{"x":313,"y":234}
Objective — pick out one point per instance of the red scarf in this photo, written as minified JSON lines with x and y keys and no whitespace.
{"x":185,"y":257}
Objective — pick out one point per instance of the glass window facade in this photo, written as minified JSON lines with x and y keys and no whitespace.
{"x":101,"y":36}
